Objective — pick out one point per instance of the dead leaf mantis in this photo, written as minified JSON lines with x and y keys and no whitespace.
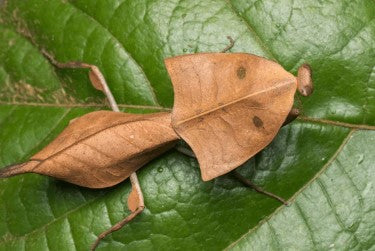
{"x":228,"y":107}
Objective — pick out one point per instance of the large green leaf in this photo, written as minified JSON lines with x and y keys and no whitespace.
{"x":324,"y":161}
{"x":335,"y":211}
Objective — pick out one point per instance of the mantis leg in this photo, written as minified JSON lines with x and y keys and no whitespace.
{"x":135,"y":204}
{"x":230,"y":45}
{"x":135,"y":199}
{"x":96,"y":77}
{"x":238,"y":176}
{"x":293,"y":114}
{"x":250,"y":184}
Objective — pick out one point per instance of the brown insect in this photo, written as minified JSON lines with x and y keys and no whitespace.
{"x":227,"y":107}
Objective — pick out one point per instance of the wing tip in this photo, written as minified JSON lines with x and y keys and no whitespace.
{"x":205,"y":177}
{"x":15,"y":169}
{"x":210,"y":172}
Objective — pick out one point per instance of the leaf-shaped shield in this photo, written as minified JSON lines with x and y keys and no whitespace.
{"x":228,"y":107}
{"x":102,"y":148}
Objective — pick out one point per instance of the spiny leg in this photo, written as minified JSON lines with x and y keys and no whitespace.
{"x":305,"y":87}
{"x":250,"y":184}
{"x":293,"y":114}
{"x":135,"y":204}
{"x":238,"y":176}
{"x":135,"y":199}
{"x":96,"y":77}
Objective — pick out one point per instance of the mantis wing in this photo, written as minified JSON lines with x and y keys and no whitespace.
{"x":228,"y":107}
{"x":101,"y":149}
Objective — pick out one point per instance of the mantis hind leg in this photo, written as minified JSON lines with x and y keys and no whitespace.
{"x":135,"y":199}
{"x":239,"y":177}
{"x":135,"y":204}
{"x":258,"y":189}
{"x":293,"y":114}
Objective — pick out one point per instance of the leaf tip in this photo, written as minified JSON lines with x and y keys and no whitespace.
{"x":15,"y":169}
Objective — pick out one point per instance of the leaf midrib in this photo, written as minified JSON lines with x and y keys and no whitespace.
{"x":87,"y":203}
{"x":83,"y":105}
{"x":61,"y":151}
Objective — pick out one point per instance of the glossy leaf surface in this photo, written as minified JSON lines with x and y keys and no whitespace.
{"x":129,"y":40}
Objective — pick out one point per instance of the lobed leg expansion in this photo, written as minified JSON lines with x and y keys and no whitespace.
{"x":135,"y":199}
{"x":96,"y":77}
{"x":135,"y":204}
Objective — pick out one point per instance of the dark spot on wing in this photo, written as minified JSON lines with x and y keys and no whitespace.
{"x":241,"y":72}
{"x":257,"y":121}
{"x":254,"y":103}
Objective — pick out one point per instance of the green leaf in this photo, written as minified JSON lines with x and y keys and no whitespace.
{"x":323,"y":162}
{"x":334,"y":211}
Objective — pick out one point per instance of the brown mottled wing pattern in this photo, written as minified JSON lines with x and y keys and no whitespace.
{"x":228,"y":107}
{"x":102,"y":148}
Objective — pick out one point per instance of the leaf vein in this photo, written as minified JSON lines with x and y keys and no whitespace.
{"x":84,"y":105}
{"x":304,"y":219}
{"x":334,"y":210}
{"x":51,"y":222}
{"x":352,"y":183}
{"x":252,"y":30}
{"x":71,"y":233}
{"x":336,"y":123}
{"x":273,"y":233}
